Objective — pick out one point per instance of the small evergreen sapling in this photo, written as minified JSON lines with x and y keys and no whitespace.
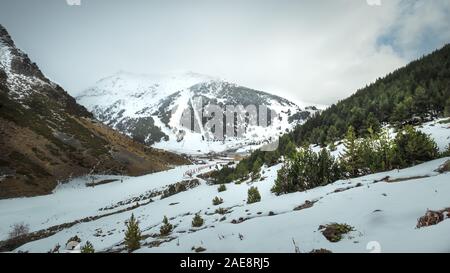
{"x":221,"y":211}
{"x":217,"y":201}
{"x":222,"y":188}
{"x":166,"y":228}
{"x":253,"y":195}
{"x":197,"y":221}
{"x":133,"y":234}
{"x":88,"y":248}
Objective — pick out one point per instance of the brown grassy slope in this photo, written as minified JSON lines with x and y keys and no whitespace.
{"x":38,"y":149}
{"x":46,"y":137}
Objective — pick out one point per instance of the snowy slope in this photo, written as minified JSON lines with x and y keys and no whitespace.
{"x":150,"y":109}
{"x":22,"y":76}
{"x":438,"y":129}
{"x":383,"y":214}
{"x":134,"y":92}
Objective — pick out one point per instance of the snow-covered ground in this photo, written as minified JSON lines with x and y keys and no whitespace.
{"x":137,"y":91}
{"x":20,"y":85}
{"x":439,"y":131}
{"x":383,"y":214}
{"x":73,"y":201}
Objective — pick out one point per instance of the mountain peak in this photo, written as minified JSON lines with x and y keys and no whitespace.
{"x":178,"y":74}
{"x":155,"y":86}
{"x":5,"y":38}
{"x":46,"y":137}
{"x":150,"y":108}
{"x":20,"y":74}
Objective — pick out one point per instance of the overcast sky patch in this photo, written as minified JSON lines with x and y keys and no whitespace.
{"x":315,"y":51}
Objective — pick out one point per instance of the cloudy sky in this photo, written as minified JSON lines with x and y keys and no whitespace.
{"x":315,"y":51}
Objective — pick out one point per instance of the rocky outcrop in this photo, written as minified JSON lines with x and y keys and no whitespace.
{"x":47,"y":138}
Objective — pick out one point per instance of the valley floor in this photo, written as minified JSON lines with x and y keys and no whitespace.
{"x":382,"y":208}
{"x":383,"y":214}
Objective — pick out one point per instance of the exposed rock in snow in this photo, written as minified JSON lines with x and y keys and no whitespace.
{"x":154,"y":109}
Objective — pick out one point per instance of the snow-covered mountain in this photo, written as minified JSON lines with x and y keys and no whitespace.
{"x":46,"y":137}
{"x":382,"y":209}
{"x":19,"y":75}
{"x":166,"y":111}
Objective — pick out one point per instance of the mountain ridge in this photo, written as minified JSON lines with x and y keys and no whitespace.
{"x":47,"y":138}
{"x":141,"y":106}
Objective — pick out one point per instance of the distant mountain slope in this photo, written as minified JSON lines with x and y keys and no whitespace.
{"x":409,"y":95}
{"x":150,"y":109}
{"x":46,"y":137}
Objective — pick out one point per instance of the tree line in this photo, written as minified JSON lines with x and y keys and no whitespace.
{"x":377,"y":152}
{"x":409,"y":96}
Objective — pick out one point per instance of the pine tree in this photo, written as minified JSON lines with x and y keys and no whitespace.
{"x":384,"y":151}
{"x":256,"y":169}
{"x":286,"y":181}
{"x":357,"y":118}
{"x":368,"y":152}
{"x":328,"y":169}
{"x":133,"y":234}
{"x":222,"y":188}
{"x":372,"y":122}
{"x":421,"y":102}
{"x":414,"y":147}
{"x":242,"y":170}
{"x":253,"y":195}
{"x":377,"y":152}
{"x":403,"y":111}
{"x":217,"y":201}
{"x":271,"y":158}
{"x":332,"y":134}
{"x":197,"y":221}
{"x":166,"y":228}
{"x":290,"y":149}
{"x":88,"y":248}
{"x":351,"y":157}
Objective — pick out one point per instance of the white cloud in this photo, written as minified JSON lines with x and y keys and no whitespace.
{"x":318,"y":51}
{"x":332,"y":57}
{"x":421,"y":25}
{"x":320,"y":59}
